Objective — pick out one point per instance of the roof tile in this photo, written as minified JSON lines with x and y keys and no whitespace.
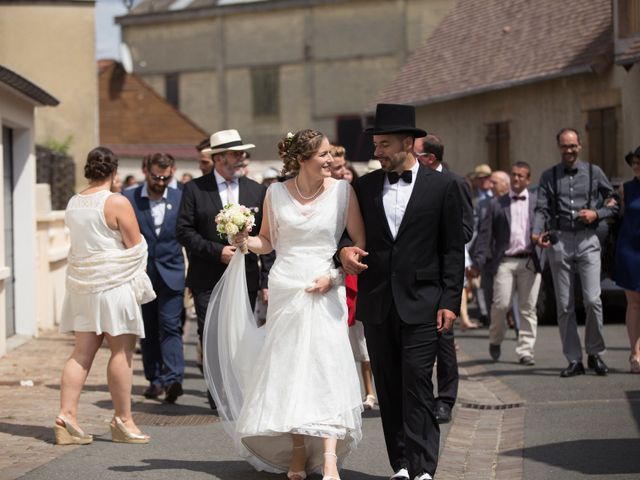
{"x":482,"y":46}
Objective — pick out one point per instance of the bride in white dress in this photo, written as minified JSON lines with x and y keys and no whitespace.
{"x":289,"y":393}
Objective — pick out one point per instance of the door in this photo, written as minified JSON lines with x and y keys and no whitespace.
{"x":7,"y":143}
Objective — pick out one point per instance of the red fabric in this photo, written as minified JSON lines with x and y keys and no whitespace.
{"x":351,"y":283}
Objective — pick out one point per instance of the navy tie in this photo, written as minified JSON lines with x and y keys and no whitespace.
{"x":394,"y":177}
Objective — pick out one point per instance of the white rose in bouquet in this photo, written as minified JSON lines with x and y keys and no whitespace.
{"x":234,"y":219}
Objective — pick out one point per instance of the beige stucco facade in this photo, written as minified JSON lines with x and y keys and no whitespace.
{"x":333,"y":57}
{"x":18,"y":279}
{"x":535,"y":113}
{"x":53,"y":44}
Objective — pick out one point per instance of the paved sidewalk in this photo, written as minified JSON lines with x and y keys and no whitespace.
{"x":571,"y":428}
{"x":187,"y":441}
{"x":510,"y":422}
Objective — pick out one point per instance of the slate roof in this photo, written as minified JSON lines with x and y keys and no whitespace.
{"x":494,"y":44}
{"x":27,"y":88}
{"x":135,"y":121}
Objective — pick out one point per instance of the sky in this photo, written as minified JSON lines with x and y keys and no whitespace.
{"x":107,"y":32}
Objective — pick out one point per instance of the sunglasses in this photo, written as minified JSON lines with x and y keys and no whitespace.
{"x":159,"y":178}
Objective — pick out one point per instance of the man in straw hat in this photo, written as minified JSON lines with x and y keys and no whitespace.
{"x":410,"y":285}
{"x":202,"y":199}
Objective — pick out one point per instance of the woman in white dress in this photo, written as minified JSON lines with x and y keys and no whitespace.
{"x":106,"y":282}
{"x":293,"y":404}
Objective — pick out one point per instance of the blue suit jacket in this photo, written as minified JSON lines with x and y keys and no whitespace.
{"x":165,"y":253}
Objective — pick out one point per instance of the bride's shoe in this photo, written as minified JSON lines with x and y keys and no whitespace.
{"x":330,"y":477}
{"x":300,"y":475}
{"x":67,"y":434}
{"x":121,"y":434}
{"x":369,"y":402}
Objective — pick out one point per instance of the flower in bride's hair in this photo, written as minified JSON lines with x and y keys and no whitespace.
{"x":289,"y":139}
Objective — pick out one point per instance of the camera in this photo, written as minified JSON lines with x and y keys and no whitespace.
{"x":551,"y":237}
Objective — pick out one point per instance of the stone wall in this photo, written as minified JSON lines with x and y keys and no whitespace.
{"x":53,"y":45}
{"x":332,"y":59}
{"x":535,"y":113}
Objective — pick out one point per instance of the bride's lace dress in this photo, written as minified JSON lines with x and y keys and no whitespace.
{"x":296,"y":374}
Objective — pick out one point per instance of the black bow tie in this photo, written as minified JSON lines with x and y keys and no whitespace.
{"x":394,"y":177}
{"x":570,"y":171}
{"x":518,"y":197}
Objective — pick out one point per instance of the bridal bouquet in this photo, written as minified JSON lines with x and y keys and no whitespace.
{"x":234,"y":219}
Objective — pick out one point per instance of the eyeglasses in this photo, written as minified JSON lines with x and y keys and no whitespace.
{"x":568,"y":146}
{"x":160,"y":178}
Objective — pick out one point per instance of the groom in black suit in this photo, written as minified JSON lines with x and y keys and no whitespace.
{"x":410,"y":285}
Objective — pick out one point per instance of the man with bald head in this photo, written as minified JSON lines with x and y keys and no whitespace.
{"x":500,"y":183}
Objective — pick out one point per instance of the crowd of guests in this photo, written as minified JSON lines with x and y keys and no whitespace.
{"x":511,"y":232}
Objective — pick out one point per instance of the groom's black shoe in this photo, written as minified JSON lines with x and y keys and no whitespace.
{"x":401,"y":474}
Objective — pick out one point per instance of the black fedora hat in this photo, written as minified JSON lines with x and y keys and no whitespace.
{"x":394,"y":118}
{"x":629,"y":156}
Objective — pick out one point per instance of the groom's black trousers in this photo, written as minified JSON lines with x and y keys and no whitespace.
{"x":402,"y":358}
{"x":447,"y":369}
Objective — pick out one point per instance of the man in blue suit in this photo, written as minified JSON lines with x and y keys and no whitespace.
{"x":156,"y":207}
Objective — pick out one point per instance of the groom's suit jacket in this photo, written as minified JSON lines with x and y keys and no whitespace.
{"x":422,"y":269}
{"x":196,"y":230}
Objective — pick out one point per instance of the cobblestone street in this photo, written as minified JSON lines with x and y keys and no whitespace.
{"x":499,"y":429}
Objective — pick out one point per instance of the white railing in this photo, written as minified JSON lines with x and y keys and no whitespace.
{"x":52,"y":240}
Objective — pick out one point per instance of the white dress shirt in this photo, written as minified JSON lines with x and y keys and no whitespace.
{"x":395,"y":199}
{"x":229,"y":190}
{"x":158,"y":207}
{"x":520,"y":224}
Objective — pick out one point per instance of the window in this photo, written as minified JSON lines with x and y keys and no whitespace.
{"x":602,"y":132}
{"x":628,"y":18}
{"x":265,"y":86}
{"x":172,"y":89}
{"x":359,"y":147}
{"x":498,"y":145}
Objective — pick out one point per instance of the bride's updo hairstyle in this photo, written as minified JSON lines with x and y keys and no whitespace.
{"x":299,"y":147}
{"x":101,"y":163}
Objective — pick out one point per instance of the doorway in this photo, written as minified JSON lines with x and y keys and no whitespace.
{"x":9,"y":282}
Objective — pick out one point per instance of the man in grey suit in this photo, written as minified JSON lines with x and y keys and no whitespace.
{"x":505,"y":249}
{"x":571,"y":201}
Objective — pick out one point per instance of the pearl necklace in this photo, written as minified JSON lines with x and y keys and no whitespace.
{"x":295,"y":182}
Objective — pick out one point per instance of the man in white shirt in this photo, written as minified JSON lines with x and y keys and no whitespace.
{"x":156,"y":207}
{"x":410,"y":285}
{"x":202,"y":200}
